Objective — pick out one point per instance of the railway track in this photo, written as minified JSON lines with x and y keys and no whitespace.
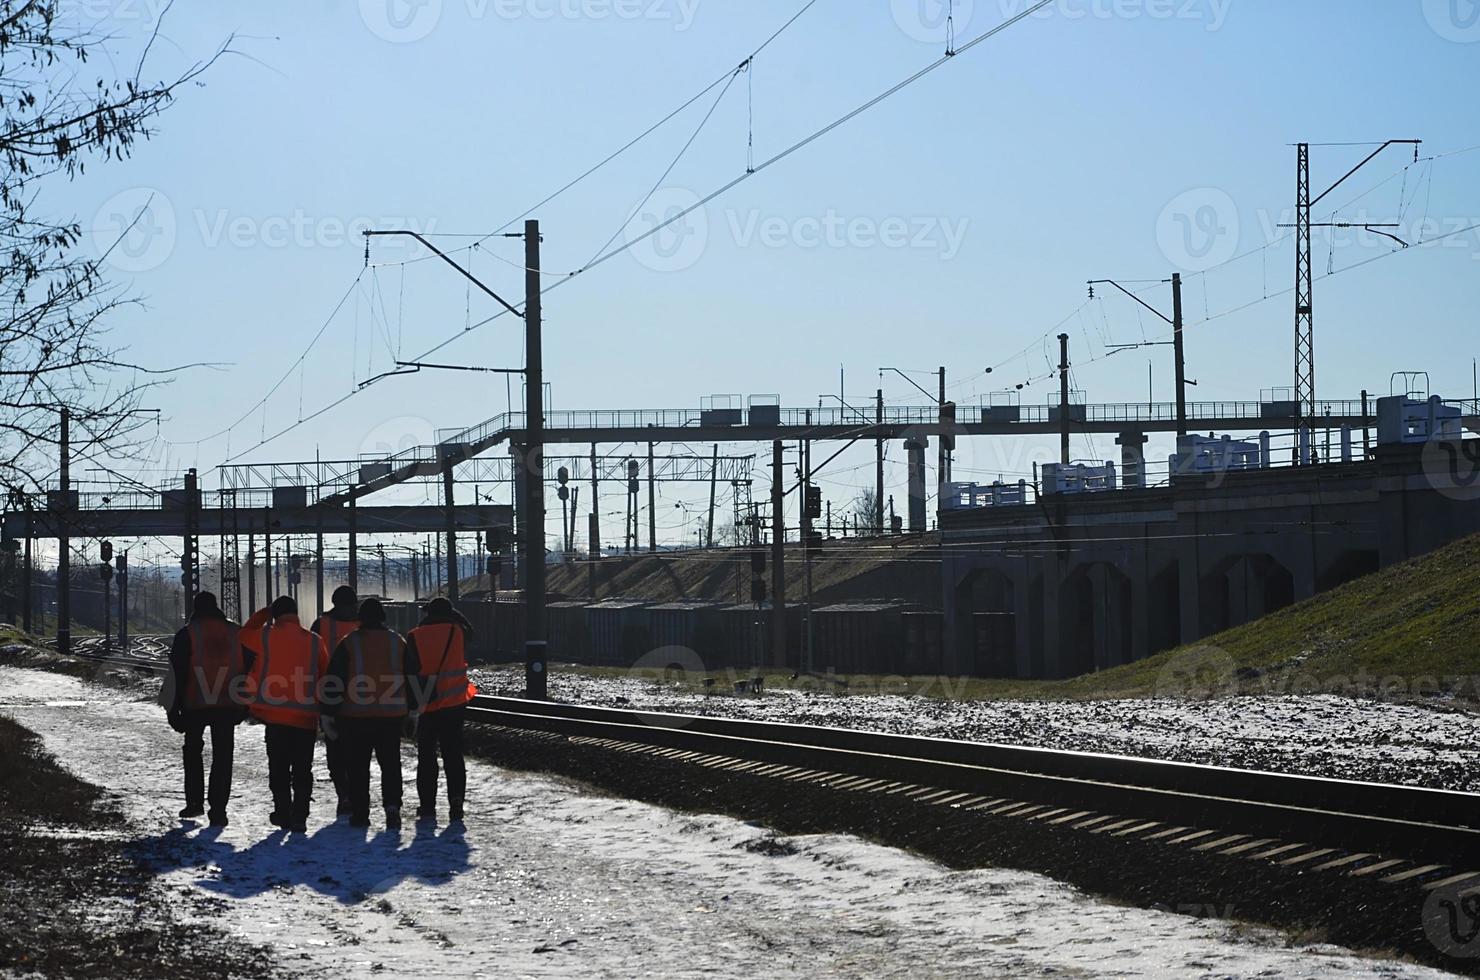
{"x":1403,"y":833}
{"x":1400,"y":833}
{"x":150,"y":653}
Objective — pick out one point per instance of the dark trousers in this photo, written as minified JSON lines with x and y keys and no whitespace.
{"x":364,"y":737}
{"x":223,"y":748}
{"x":334,"y":756}
{"x":290,"y":770}
{"x":440,"y":732}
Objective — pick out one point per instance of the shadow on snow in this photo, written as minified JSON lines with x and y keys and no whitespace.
{"x":336,"y":860}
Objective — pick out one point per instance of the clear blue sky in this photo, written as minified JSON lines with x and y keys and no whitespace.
{"x":1077,"y":145}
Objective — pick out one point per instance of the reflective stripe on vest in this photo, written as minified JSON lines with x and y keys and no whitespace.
{"x":450,"y":669}
{"x":298,"y":704}
{"x":215,"y":664}
{"x":382,"y":691}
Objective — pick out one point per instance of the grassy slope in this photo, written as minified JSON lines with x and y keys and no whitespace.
{"x":1414,"y":622}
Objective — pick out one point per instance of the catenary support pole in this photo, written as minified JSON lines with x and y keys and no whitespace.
{"x":1179,"y":354}
{"x":1064,"y":399}
{"x":535,"y":644}
{"x":652,"y":503}
{"x":778,"y":556}
{"x":449,"y":502}
{"x":879,"y":464}
{"x":64,"y":544}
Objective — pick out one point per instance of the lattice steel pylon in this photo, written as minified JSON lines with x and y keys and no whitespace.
{"x":231,"y":575}
{"x":1305,"y":327}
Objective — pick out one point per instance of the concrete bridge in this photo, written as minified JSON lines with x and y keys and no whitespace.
{"x":1077,"y":582}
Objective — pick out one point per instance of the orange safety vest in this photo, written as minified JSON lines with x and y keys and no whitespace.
{"x":376,"y":683}
{"x":444,"y":661}
{"x":285,"y":678}
{"x":333,"y":630}
{"x":216,"y":664}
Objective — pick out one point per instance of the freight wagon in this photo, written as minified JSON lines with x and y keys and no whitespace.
{"x":620,"y":633}
{"x":859,"y":638}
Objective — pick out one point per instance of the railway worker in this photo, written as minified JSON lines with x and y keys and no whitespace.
{"x":370,"y":692}
{"x":342,"y":619}
{"x":207,"y":671}
{"x":439,"y":643}
{"x":289,"y":664}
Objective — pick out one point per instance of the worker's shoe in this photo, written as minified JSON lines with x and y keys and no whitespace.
{"x":277,"y":819}
{"x":426,"y":814}
{"x":455,"y":812}
{"x":355,"y":820}
{"x":299,"y":827}
{"x":392,"y":818}
{"x":345,"y":809}
{"x":218,"y":818}
{"x":193,"y":810}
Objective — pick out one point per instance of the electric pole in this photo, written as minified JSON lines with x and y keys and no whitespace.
{"x":879,"y":463}
{"x":1305,"y":337}
{"x":535,"y":644}
{"x":1064,"y":399}
{"x":1178,"y":349}
{"x":64,"y":552}
{"x":778,"y":556}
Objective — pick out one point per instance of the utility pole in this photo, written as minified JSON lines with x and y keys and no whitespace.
{"x":190,"y":556}
{"x":1178,"y":354}
{"x":1178,"y":350}
{"x":778,"y":556}
{"x":27,"y":584}
{"x":808,"y":531}
{"x":942,"y":449}
{"x":594,"y":532}
{"x":1305,"y":338}
{"x":354,"y":550}
{"x":879,"y":464}
{"x":120,"y":562}
{"x":448,"y":502}
{"x":652,"y":504}
{"x":1064,"y":399}
{"x":385,"y":589}
{"x":64,"y":544}
{"x":713,"y":476}
{"x":535,"y":644}
{"x":251,"y":569}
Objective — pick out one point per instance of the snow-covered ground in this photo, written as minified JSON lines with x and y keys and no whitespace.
{"x":1321,"y":735}
{"x":548,"y":880}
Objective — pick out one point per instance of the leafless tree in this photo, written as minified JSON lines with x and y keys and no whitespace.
{"x":863,"y":508}
{"x":56,"y":117}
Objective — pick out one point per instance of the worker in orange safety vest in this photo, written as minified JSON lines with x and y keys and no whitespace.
{"x":342,"y":619}
{"x":370,"y":691}
{"x":289,"y":665}
{"x":205,"y":689}
{"x":440,"y":646}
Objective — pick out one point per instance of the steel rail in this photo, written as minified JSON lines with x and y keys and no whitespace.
{"x":1441,"y":825}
